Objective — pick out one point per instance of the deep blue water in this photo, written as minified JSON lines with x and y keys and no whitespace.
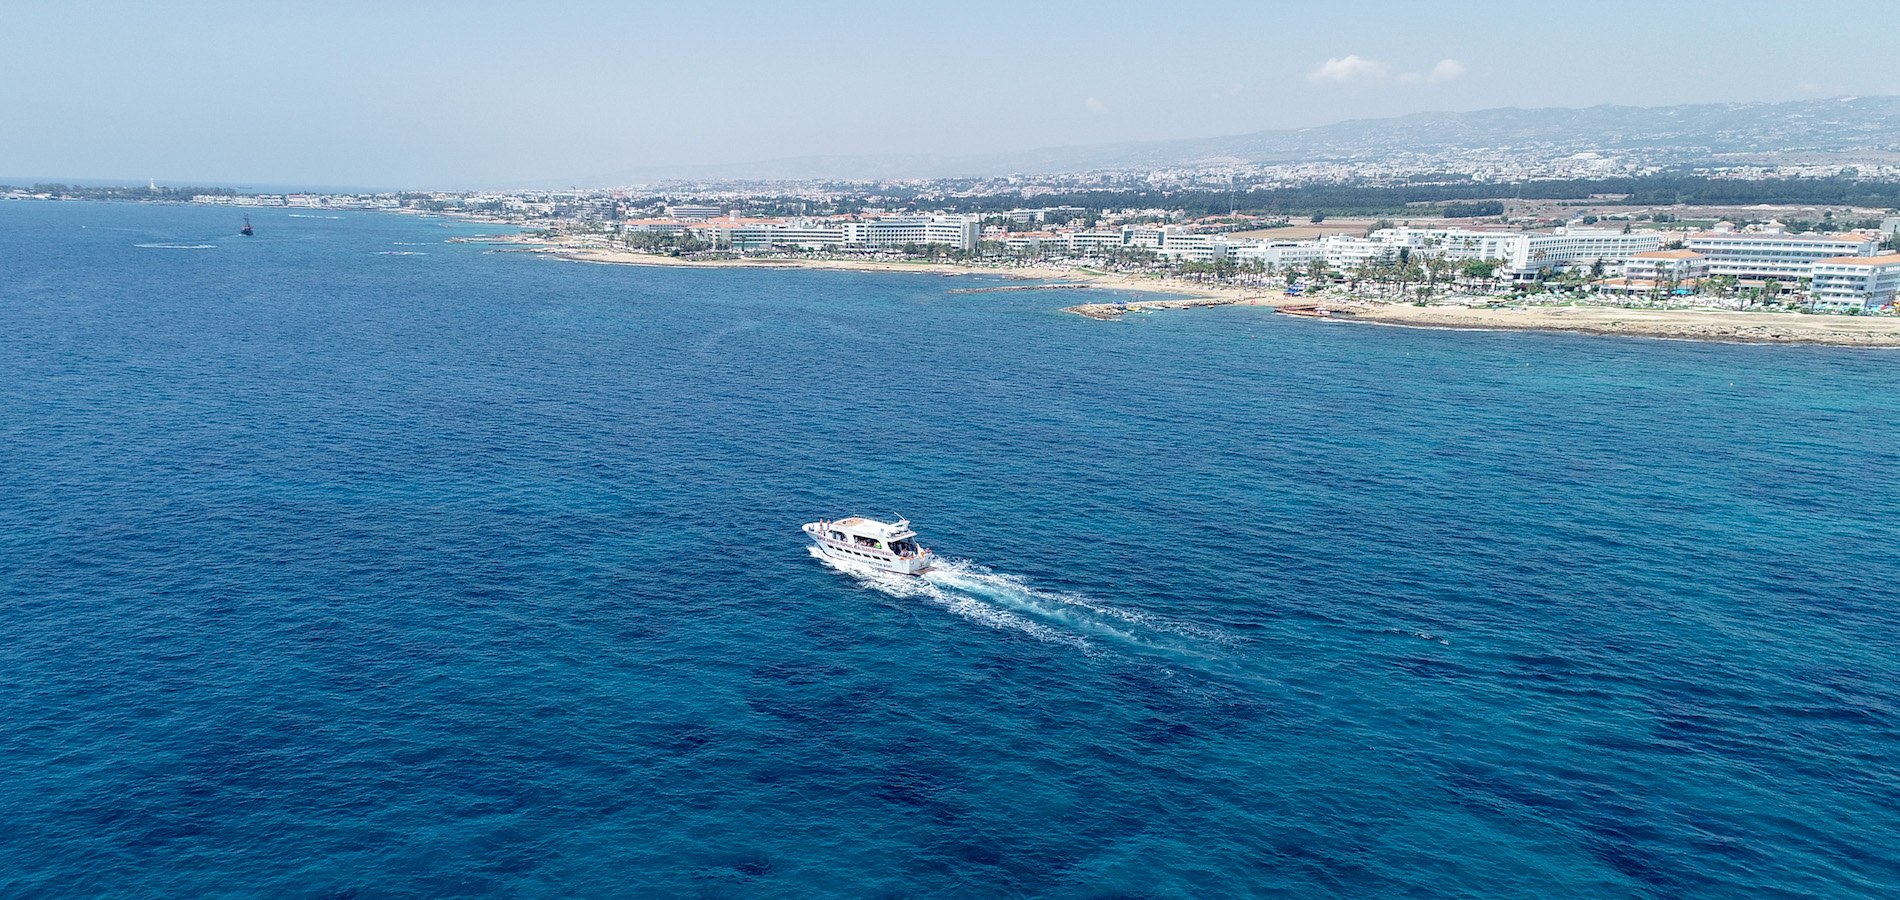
{"x":330,"y":573}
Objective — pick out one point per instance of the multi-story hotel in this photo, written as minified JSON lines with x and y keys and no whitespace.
{"x":1758,"y":258}
{"x":1524,"y":255}
{"x":1278,"y":256}
{"x":959,"y":232}
{"x":1847,"y":282}
{"x":1666,"y":265}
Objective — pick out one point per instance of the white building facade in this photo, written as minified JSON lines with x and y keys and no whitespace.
{"x":1524,"y":255}
{"x":1758,"y":258}
{"x":1279,"y":256}
{"x":1666,"y":265}
{"x":956,"y":232}
{"x":1856,"y":282}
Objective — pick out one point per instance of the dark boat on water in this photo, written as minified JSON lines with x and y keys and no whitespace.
{"x":246,"y":230}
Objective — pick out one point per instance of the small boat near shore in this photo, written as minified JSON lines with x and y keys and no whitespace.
{"x":247,"y":230}
{"x":1313,"y":311}
{"x":887,"y":547}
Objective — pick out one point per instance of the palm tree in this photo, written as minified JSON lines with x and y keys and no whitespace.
{"x":1436,"y":268}
{"x":1361,"y":272}
{"x":1317,"y":269}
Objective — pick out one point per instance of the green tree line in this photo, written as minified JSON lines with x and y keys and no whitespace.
{"x":1430,"y":199}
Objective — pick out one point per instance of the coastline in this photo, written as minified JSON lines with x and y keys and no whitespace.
{"x":1712,"y":325}
{"x":1186,"y":292}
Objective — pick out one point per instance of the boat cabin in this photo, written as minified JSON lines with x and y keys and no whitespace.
{"x":868,"y":534}
{"x":891,"y":547}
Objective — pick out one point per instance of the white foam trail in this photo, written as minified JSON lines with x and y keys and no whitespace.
{"x":400,"y":253}
{"x":178,"y":246}
{"x":972,"y":608}
{"x":303,"y":216}
{"x":1008,"y":601}
{"x":969,"y":576}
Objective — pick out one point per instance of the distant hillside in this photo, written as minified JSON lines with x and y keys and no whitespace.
{"x":1799,"y":131}
{"x":1862,"y":123}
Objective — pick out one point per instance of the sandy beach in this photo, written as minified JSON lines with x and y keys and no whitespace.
{"x":1071,"y":277}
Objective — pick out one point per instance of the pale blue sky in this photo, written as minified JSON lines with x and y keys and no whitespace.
{"x":483,"y":94}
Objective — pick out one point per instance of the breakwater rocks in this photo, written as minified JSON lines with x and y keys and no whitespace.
{"x":1109,"y":312}
{"x":1684,"y":325}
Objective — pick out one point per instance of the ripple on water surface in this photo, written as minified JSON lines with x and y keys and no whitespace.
{"x":466,"y":574}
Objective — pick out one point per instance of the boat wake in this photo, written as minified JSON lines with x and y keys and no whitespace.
{"x":1009,"y":602}
{"x":178,"y":246}
{"x":969,"y":606}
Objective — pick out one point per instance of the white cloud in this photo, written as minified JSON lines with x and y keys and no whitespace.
{"x":1095,"y":106}
{"x":1348,"y":70}
{"x":1446,"y":70}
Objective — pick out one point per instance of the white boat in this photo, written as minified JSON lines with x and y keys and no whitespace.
{"x":868,"y":542}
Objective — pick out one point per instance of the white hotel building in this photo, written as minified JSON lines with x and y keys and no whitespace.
{"x":961,"y":232}
{"x":1525,"y":255}
{"x":882,"y":232}
{"x":1756,"y":258}
{"x":1278,"y":256}
{"x":1866,"y":282}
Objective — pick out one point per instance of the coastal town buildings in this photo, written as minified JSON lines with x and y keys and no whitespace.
{"x":1732,"y":261}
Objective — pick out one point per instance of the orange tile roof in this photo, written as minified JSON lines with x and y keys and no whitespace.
{"x":1887,"y":259}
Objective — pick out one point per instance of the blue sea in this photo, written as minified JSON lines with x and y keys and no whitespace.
{"x":346,"y":562}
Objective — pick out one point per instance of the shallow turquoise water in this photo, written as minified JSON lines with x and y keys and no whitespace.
{"x":327,"y":572}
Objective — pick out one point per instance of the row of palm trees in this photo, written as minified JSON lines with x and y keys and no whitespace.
{"x":1418,"y":277}
{"x":1405,"y":275}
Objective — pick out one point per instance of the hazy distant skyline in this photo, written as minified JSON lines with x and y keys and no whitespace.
{"x":502,"y":95}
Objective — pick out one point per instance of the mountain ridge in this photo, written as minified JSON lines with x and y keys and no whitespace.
{"x":1686,"y":134}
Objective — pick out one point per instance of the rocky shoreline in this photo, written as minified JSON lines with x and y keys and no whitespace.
{"x":1109,"y":312}
{"x":1717,"y":325}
